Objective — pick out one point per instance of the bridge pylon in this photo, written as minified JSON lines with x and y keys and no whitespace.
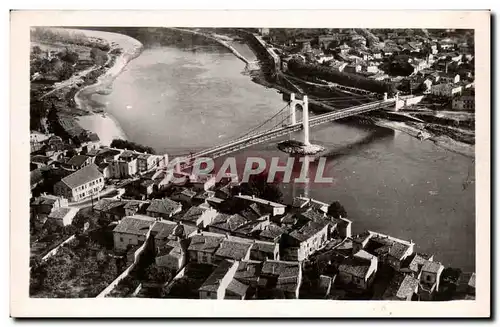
{"x":304,"y":103}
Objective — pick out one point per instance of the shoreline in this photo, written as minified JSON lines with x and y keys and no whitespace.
{"x":102,"y":123}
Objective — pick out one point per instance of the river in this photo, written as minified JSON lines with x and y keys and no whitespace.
{"x":180,"y":101}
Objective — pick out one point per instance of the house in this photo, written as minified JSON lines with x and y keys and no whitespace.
{"x":78,"y":162}
{"x":466,"y":284}
{"x":88,"y":142}
{"x":343,"y":49}
{"x":234,"y":249}
{"x":225,"y":223}
{"x":301,"y":202}
{"x":203,"y":247}
{"x":447,"y":90}
{"x":401,"y":288}
{"x":217,"y":283}
{"x":39,"y":161}
{"x":343,"y":226}
{"x":63,"y":216}
{"x":202,"y":182}
{"x":414,"y":263}
{"x":273,"y":208}
{"x":125,"y":166}
{"x":163,"y":208}
{"x":46,"y":203}
{"x":358,"y":270}
{"x":466,"y":101}
{"x":133,"y":207}
{"x":338,"y":66}
{"x":452,"y":78}
{"x":81,"y":184}
{"x":186,"y":195}
{"x":262,"y":251}
{"x":352,"y":68}
{"x":146,"y":161}
{"x":377,"y":54}
{"x":198,"y":216}
{"x":271,"y":233}
{"x":306,"y":240}
{"x":431,"y":275}
{"x":224,"y":192}
{"x":389,"y":250}
{"x":170,"y":242}
{"x":285,"y":276}
{"x":110,"y":209}
{"x":132,"y":231}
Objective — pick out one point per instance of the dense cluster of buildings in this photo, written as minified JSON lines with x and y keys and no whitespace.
{"x":437,"y":65}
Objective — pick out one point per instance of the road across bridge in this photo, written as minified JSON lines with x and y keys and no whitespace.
{"x":286,"y":125}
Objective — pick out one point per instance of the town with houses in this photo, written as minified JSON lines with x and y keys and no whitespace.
{"x":106,"y":222}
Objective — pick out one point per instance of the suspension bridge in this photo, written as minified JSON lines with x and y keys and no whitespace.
{"x":285,"y":121}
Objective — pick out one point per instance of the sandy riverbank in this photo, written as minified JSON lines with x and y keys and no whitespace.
{"x":103,"y":124}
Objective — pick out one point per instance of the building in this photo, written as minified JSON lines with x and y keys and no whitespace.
{"x":202,"y":182}
{"x":132,"y":231}
{"x":273,"y":208}
{"x":451,"y":78}
{"x":46,"y":203}
{"x":284,"y":276}
{"x":389,"y":250}
{"x":163,"y":208}
{"x":401,"y":288}
{"x":170,"y":242}
{"x":306,"y":240}
{"x":431,"y":275}
{"x":217,"y":283}
{"x":464,"y":102}
{"x":146,"y":161}
{"x":78,"y":162}
{"x":198,"y":216}
{"x":359,"y":270}
{"x":125,"y":166}
{"x":262,"y":251}
{"x":203,"y":247}
{"x":234,"y":249}
{"x":80,"y":185}
{"x":63,"y":216}
{"x":110,"y":209}
{"x":447,"y":90}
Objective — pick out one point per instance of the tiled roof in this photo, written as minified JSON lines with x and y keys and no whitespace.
{"x":362,"y":254}
{"x":266,"y":247}
{"x":106,"y":205}
{"x":299,"y":202}
{"x":360,"y":238}
{"x":401,"y":286}
{"x":307,"y":231}
{"x":163,"y":206}
{"x":398,"y":250}
{"x":163,"y":229}
{"x":235,"y":287}
{"x":417,"y":262}
{"x":82,"y":176}
{"x":40,"y":159}
{"x":59,"y":213}
{"x":136,"y":225}
{"x":77,"y":160}
{"x":193,"y":214}
{"x":205,"y":243}
{"x":248,"y":271}
{"x":233,"y":250}
{"x":280,"y":268}
{"x":313,"y":215}
{"x":260,"y":201}
{"x":355,"y":267}
{"x":230,"y":223}
{"x":432,"y":266}
{"x":189,"y":193}
{"x":213,"y":281}
{"x":272,"y":231}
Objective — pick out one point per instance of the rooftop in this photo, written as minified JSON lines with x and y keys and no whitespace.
{"x":193,"y":214}
{"x":266,"y":247}
{"x":401,"y":286}
{"x":82,"y":176}
{"x":136,"y":225}
{"x":213,"y":281}
{"x":432,"y":267}
{"x":236,"y":287}
{"x":281,"y":268}
{"x":60,"y":213}
{"x":233,"y":250}
{"x":163,"y":206}
{"x":248,"y":271}
{"x":307,"y":231}
{"x":260,"y":201}
{"x":206,"y":242}
{"x":356,"y":267}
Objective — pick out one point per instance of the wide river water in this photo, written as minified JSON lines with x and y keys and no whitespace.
{"x":178,"y":100}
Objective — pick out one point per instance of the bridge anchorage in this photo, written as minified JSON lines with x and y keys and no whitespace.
{"x":303,"y":147}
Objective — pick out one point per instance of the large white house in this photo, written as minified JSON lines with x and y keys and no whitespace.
{"x":81,"y":184}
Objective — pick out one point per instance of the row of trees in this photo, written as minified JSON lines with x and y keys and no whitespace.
{"x":52,"y":36}
{"x":302,"y":69}
{"x":123,"y":144}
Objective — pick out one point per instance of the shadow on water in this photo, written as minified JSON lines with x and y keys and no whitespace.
{"x":377,"y":135}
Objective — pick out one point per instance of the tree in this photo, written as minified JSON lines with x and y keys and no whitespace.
{"x":36,"y":50}
{"x":337,"y":210}
{"x":158,"y":274}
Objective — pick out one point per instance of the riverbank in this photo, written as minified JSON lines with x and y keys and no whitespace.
{"x":123,"y":49}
